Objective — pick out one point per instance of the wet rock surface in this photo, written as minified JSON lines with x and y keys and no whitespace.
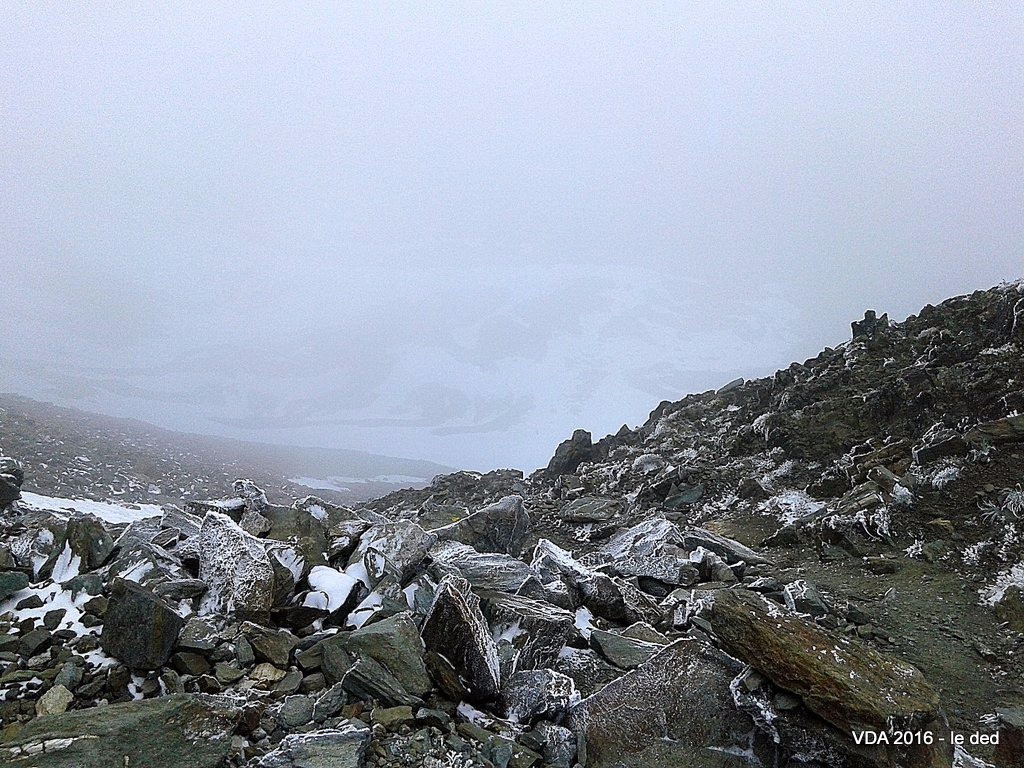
{"x":754,"y":574}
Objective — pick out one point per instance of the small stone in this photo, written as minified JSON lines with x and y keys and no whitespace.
{"x":266,"y":673}
{"x":28,"y":603}
{"x":296,"y":711}
{"x":392,"y":717}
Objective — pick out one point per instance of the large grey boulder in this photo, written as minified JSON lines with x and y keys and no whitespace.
{"x":483,"y":570}
{"x":11,"y":582}
{"x":728,"y":549}
{"x":534,"y":631}
{"x":395,"y":644}
{"x":675,"y":709}
{"x":235,"y":566}
{"x":846,"y":683}
{"x":85,"y":538}
{"x":392,"y":550}
{"x":139,"y":628}
{"x":499,"y":527}
{"x":179,"y":731}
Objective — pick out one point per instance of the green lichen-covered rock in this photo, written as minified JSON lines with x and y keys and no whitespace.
{"x":181,"y":731}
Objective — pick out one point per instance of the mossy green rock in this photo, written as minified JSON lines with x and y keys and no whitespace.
{"x":180,"y":731}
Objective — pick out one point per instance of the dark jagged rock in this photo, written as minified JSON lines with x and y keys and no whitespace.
{"x":11,"y":478}
{"x":455,"y":629}
{"x":85,"y":538}
{"x":139,"y":628}
{"x":571,"y":453}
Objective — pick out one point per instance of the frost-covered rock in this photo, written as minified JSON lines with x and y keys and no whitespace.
{"x":643,"y":539}
{"x":533,"y":631}
{"x":341,"y":747}
{"x":585,"y":587}
{"x":235,"y":566}
{"x":530,"y":695}
{"x":728,"y":549}
{"x":500,"y":527}
{"x":675,"y":709}
{"x":84,"y":545}
{"x":483,"y":570}
{"x":390,"y":549}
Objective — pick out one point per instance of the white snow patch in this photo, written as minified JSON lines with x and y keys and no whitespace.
{"x":584,"y":622}
{"x":337,"y":586}
{"x":105,"y":510}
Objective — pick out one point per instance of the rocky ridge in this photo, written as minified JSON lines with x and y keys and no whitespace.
{"x":749,"y":578}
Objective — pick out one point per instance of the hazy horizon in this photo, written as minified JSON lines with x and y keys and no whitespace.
{"x":457,"y":234}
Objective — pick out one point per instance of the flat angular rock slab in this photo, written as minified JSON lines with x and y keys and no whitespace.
{"x":500,"y":527}
{"x":139,"y":628}
{"x":846,"y":683}
{"x":483,"y":570}
{"x":590,"y":510}
{"x":455,"y":629}
{"x":624,"y":652}
{"x":669,"y":569}
{"x":1006,"y":430}
{"x":179,"y":731}
{"x":674,"y":710}
{"x":642,"y":540}
{"x":729,"y":550}
{"x":342,"y":747}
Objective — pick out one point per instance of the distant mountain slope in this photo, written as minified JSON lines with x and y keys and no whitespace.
{"x":67,"y":452}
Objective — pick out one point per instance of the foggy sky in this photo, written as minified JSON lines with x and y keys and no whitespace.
{"x":457,"y":233}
